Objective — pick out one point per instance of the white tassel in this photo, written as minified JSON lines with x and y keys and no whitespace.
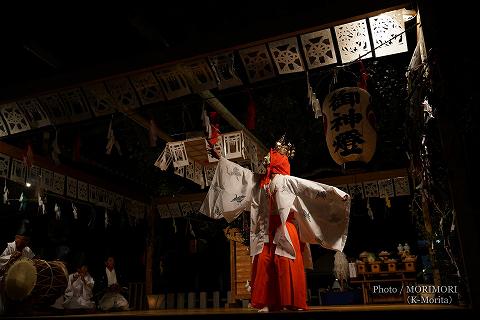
{"x":340,"y":267}
{"x":174,"y":225}
{"x":370,"y":212}
{"x":5,"y":193}
{"x":75,"y":212}
{"x":106,"y":218}
{"x":41,"y":204}
{"x":58,"y":212}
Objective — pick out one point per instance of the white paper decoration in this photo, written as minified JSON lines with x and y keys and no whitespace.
{"x":190,"y":171}
{"x":388,"y":33}
{"x":36,"y":115}
{"x":402,"y":187}
{"x":179,"y":171}
{"x":76,"y":104}
{"x":319,"y":49}
{"x":179,"y":153}
{"x":233,"y":145}
{"x":117,"y":201}
{"x":173,"y":82}
{"x":14,"y":118}
{"x":356,"y":190}
{"x":18,"y":171}
{"x":34,"y":175}
{"x":3,"y":128}
{"x":198,"y":175}
{"x":4,"y":165}
{"x":92,"y":194}
{"x":47,"y":179}
{"x":224,"y":67}
{"x":55,"y":108}
{"x":257,"y":63}
{"x":101,"y":102}
{"x":72,"y":187}
{"x":123,"y":93}
{"x":58,"y":183}
{"x":353,"y":41}
{"x":201,"y":76}
{"x":286,"y":55}
{"x":82,"y":191}
{"x":164,"y":159}
{"x":371,"y":189}
{"x":385,"y":188}
{"x":147,"y":87}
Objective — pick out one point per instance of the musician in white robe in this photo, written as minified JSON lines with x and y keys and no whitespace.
{"x":79,"y":292}
{"x":15,"y":250}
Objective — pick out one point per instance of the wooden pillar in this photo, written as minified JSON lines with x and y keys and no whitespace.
{"x":151,"y":215}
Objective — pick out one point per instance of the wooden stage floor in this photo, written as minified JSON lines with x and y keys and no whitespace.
{"x":393,"y":311}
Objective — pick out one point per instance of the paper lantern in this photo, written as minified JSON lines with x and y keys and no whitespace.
{"x":349,"y":125}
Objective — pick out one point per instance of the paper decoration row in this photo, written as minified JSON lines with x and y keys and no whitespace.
{"x":398,"y":186}
{"x":15,"y":170}
{"x":178,"y":209}
{"x":218,"y":71}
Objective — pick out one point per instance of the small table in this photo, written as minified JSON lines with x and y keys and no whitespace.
{"x":376,"y":285}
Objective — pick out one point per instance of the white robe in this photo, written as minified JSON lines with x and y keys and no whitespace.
{"x":78,"y":294}
{"x":321,"y":212}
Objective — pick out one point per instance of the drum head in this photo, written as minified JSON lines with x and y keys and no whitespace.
{"x":20,"y":279}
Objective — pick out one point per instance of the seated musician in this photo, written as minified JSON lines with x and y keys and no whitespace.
{"x":79,"y":293}
{"x":110,"y":289}
{"x":15,"y":250}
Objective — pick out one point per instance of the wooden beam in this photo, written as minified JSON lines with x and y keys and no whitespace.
{"x":17,"y":153}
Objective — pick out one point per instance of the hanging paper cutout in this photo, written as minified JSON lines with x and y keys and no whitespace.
{"x":4,"y":165}
{"x":3,"y":128}
{"x":201,"y":77}
{"x":233,"y":145}
{"x":33,"y":110}
{"x":164,"y":159}
{"x":402,"y":187}
{"x":185,"y":208}
{"x":286,"y":55}
{"x":179,"y":153}
{"x":173,"y":82}
{"x":319,"y":49}
{"x":58,"y":183}
{"x":385,"y":188}
{"x":356,"y":190}
{"x":18,"y":171}
{"x":101,"y":102}
{"x":71,"y":187}
{"x":343,"y":187}
{"x":47,"y":179}
{"x":388,"y":33}
{"x":369,"y":209}
{"x":257,"y":63}
{"x":224,"y":67}
{"x":353,"y":41}
{"x":82,"y":190}
{"x":14,"y":118}
{"x":55,"y":108}
{"x":76,"y":104}
{"x":147,"y":87}
{"x":179,"y":171}
{"x":209,"y":174}
{"x":371,"y":189}
{"x":123,"y":93}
